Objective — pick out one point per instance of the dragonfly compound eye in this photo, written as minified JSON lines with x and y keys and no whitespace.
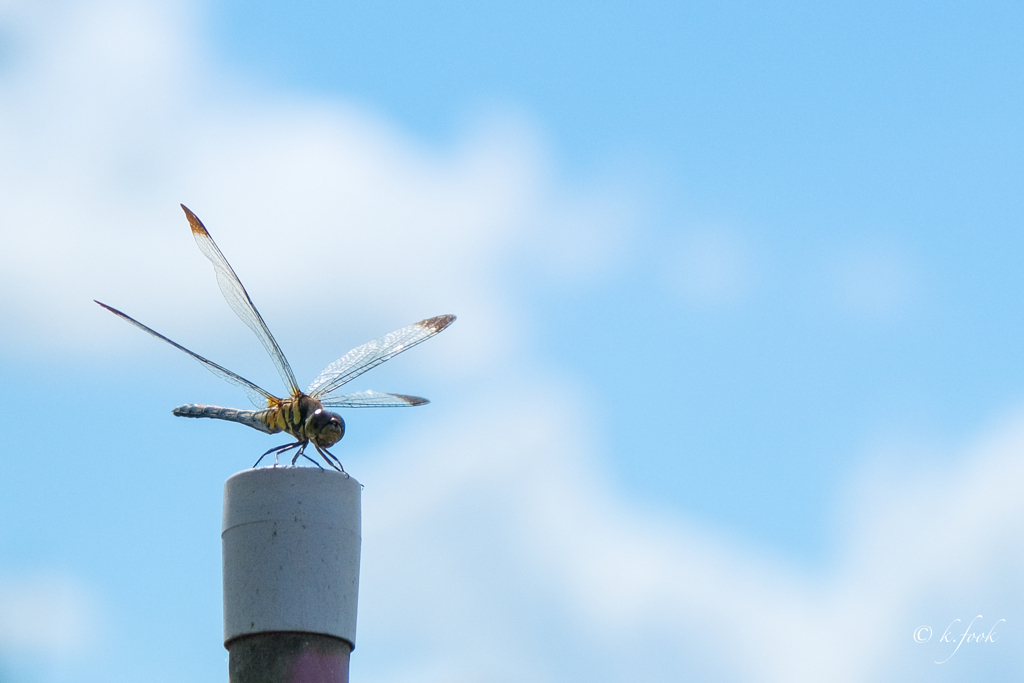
{"x":325,"y":428}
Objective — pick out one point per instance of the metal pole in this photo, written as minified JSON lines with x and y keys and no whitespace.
{"x":291,"y":539}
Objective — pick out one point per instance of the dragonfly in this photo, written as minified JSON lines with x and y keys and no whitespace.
{"x":302,"y":414}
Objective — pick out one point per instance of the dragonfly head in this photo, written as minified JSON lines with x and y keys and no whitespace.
{"x":324,"y":428}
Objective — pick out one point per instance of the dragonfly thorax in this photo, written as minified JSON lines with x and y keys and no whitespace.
{"x":324,"y":428}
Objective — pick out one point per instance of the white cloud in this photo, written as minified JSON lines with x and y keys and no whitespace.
{"x":876,"y":279}
{"x":711,"y":267}
{"x":484,"y":545}
{"x":47,"y":614}
{"x":109,"y":117}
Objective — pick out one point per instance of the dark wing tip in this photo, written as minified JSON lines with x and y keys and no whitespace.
{"x":110,"y":308}
{"x":438,"y":323}
{"x":412,"y":400}
{"x":193,"y":221}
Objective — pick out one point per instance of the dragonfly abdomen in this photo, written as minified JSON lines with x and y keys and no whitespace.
{"x":251,"y":418}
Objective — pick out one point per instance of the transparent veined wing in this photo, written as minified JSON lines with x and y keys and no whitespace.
{"x":372,"y":399}
{"x":370,"y":355}
{"x":236,"y":296}
{"x":259,"y":397}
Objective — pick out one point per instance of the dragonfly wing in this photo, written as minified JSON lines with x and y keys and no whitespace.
{"x":236,"y":296}
{"x":373,"y":399}
{"x":259,"y":397}
{"x":370,"y":355}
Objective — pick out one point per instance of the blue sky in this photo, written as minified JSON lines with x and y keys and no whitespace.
{"x":869,"y":139}
{"x":735,"y":387}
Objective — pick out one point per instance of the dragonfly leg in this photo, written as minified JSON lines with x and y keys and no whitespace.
{"x":302,"y":452}
{"x":312,"y":461}
{"x":277,"y":450}
{"x":328,"y":456}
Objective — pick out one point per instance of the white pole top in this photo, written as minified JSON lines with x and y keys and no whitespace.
{"x":291,"y":539}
